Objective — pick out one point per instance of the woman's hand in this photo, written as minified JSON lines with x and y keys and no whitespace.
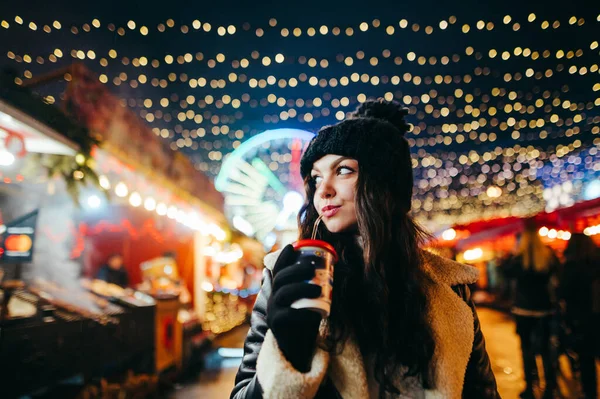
{"x":294,"y":329}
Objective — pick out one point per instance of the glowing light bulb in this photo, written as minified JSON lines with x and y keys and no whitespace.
{"x":135,"y":199}
{"x":449,"y":235}
{"x":161,"y":209}
{"x":121,"y":190}
{"x":150,"y":204}
{"x":104,"y":182}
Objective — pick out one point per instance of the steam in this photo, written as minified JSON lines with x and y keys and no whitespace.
{"x":54,"y":236}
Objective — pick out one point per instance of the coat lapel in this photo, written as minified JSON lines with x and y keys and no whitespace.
{"x":451,"y":321}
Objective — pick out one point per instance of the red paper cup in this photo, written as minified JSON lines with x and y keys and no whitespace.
{"x":324,"y":257}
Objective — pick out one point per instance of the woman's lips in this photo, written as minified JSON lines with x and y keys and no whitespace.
{"x":331,"y":211}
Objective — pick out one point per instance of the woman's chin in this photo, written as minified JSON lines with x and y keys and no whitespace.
{"x":336,"y":227}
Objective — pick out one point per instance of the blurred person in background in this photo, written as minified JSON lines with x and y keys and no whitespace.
{"x":533,"y":268}
{"x":580,"y":291}
{"x":114,"y":272}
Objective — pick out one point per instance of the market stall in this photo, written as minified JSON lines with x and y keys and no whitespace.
{"x":97,"y":192}
{"x":52,"y":327}
{"x":485,"y":244}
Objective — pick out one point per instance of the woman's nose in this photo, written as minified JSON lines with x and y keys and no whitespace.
{"x":326,"y":190}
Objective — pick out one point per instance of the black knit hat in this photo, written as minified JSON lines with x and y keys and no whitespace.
{"x":374,"y":136}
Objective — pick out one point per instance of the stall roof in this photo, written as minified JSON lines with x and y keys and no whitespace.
{"x":44,"y":127}
{"x":486,"y":230}
{"x":38,"y":137}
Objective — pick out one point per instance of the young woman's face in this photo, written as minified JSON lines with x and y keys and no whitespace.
{"x":335,"y":180}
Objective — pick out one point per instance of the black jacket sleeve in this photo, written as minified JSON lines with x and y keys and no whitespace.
{"x":479,"y":377}
{"x":246,"y":382}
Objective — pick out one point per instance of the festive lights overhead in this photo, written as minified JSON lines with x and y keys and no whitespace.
{"x":502,"y":110}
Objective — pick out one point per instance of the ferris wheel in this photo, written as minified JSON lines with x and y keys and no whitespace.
{"x":261,"y":182}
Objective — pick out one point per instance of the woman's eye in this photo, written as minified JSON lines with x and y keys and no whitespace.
{"x":317,"y":179}
{"x":344,"y":170}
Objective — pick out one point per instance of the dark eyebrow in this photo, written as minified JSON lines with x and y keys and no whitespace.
{"x":339,"y":161}
{"x":333,"y":165}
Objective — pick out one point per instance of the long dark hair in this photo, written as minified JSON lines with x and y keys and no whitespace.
{"x":377,"y":294}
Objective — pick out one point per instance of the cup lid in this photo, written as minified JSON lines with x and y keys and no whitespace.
{"x":317,"y":243}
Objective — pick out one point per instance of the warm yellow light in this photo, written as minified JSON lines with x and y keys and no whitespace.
{"x":494,"y":192}
{"x":161,"y":209}
{"x":135,"y":199}
{"x":121,"y":190}
{"x":449,"y":234}
{"x":150,"y":204}
{"x":104,"y":182}
{"x":473,"y":254}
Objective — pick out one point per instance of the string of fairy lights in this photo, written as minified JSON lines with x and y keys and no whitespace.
{"x":313,"y":62}
{"x":502,"y":99}
{"x":390,"y":29}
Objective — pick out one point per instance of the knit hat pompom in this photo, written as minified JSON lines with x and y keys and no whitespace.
{"x":391,"y":112}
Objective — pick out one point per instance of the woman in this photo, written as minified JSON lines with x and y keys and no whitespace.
{"x":534,"y":267}
{"x":402,"y":322}
{"x":580,"y":289}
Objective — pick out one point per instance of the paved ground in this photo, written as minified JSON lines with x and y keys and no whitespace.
{"x":502,"y":346}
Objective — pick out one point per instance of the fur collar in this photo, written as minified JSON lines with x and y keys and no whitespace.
{"x":451,"y":320}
